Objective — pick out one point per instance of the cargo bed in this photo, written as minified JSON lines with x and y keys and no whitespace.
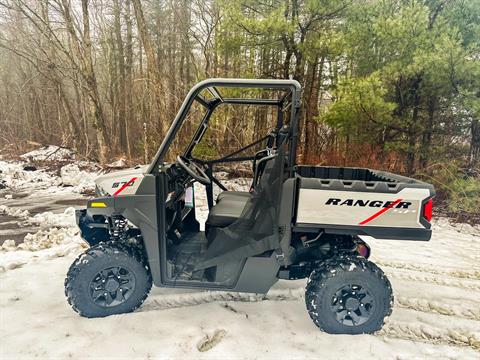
{"x":362,"y":201}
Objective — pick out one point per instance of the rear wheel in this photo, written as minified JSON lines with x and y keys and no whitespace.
{"x":107,"y":279}
{"x":348,"y":295}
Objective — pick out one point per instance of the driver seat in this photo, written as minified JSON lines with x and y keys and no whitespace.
{"x":233,"y":195}
{"x":230,"y":204}
{"x":229,"y":207}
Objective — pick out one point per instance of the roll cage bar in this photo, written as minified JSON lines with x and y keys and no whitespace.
{"x":292,"y":88}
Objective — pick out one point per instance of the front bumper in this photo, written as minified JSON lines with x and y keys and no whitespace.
{"x":93,"y":228}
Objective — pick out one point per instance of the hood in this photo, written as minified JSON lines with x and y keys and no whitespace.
{"x":124,"y":182}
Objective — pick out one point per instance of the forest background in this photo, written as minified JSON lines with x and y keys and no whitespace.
{"x":387,"y":84}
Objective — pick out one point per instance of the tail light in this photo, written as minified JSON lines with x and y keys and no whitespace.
{"x":427,"y":210}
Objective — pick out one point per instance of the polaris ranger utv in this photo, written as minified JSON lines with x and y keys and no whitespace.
{"x":295,"y":221}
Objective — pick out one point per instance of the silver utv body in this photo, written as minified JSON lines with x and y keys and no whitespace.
{"x":248,"y":245}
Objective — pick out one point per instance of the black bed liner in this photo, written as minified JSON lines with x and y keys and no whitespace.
{"x":341,"y":173}
{"x":354,"y":179}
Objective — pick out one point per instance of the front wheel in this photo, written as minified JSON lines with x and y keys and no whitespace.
{"x":107,"y":279}
{"x":348,"y":295}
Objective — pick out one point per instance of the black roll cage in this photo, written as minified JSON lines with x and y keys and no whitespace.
{"x":292,"y":88}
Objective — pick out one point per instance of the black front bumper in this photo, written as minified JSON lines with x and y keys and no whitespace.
{"x":93,"y":229}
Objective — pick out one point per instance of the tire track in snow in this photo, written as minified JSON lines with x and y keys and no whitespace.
{"x":177,"y":301}
{"x":391,"y":329}
{"x":435,"y":280}
{"x":461,"y":274}
{"x":437,"y":307}
{"x":193,"y":299}
{"x":429,"y":334}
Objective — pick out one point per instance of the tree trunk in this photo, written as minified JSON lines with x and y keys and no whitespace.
{"x":129,"y":115}
{"x":427,"y":134}
{"x":412,"y":128}
{"x":475,"y":145}
{"x":91,"y":80}
{"x":145,"y":37}
{"x":120,"y":59}
{"x":311,"y":107}
{"x":157,"y":110}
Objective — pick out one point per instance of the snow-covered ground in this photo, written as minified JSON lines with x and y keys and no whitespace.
{"x":436,"y":285}
{"x":49,"y":153}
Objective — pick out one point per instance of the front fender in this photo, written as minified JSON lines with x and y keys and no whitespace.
{"x":140,"y":210}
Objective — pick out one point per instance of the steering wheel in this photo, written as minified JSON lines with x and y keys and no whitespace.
{"x":194,"y":170}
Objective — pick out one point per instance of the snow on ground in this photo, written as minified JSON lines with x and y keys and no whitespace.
{"x":49,"y":153}
{"x":436,"y":285}
{"x":71,"y":179}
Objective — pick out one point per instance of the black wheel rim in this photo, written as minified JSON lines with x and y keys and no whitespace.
{"x":352,"y":305}
{"x":112,"y":286}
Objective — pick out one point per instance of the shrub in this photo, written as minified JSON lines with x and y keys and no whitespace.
{"x":458,"y":190}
